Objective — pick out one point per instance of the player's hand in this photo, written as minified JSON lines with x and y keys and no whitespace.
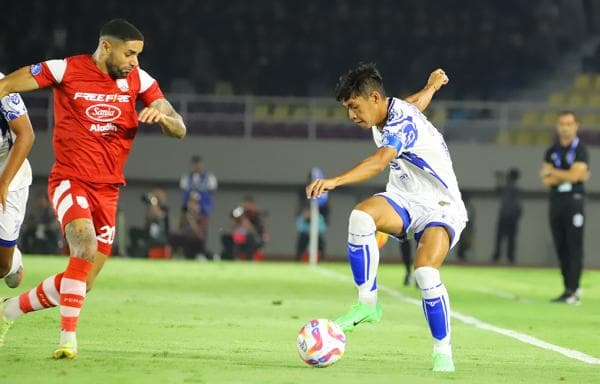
{"x":545,"y":172}
{"x":438,"y":79}
{"x":587,"y":176}
{"x":150,"y":115}
{"x":319,"y":186}
{"x":3,"y":195}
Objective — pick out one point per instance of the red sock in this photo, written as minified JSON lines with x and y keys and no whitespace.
{"x":45,"y":295}
{"x":72,"y":292}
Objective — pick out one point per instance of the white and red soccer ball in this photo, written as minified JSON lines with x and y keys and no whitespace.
{"x":321,"y":342}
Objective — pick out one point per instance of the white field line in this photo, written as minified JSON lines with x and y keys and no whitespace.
{"x":522,"y":337}
{"x":503,"y":295}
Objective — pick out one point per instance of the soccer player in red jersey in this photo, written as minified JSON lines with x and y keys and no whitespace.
{"x":95,"y":123}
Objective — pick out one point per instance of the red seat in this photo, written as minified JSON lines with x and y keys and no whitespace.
{"x":304,"y":257}
{"x":159,"y":252}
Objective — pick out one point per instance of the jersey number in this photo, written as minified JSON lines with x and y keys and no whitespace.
{"x":107,"y":234}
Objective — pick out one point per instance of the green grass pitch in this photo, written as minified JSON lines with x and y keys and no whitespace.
{"x":188,"y":322}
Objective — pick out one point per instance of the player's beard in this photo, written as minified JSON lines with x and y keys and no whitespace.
{"x":114,"y":71}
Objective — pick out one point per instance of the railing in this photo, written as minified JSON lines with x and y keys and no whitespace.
{"x":321,"y":118}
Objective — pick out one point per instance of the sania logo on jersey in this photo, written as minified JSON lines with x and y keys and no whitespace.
{"x":103,"y":112}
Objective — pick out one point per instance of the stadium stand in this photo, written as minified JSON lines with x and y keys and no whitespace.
{"x":490,"y":47}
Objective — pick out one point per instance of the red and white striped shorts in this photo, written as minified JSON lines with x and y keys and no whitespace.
{"x":75,"y":199}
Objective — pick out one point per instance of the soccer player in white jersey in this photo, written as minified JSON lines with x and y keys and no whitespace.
{"x":15,"y":179}
{"x":421,"y":199}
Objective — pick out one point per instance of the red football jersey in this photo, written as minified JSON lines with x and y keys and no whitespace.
{"x":95,"y":119}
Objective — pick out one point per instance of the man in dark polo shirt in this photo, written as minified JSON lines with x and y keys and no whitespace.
{"x":565,"y":170}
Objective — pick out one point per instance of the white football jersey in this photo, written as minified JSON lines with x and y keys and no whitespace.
{"x":422,"y":171}
{"x":12,"y":107}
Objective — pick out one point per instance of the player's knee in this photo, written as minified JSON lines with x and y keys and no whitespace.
{"x":81,"y":237}
{"x":361,"y":222}
{"x":427,"y":277}
{"x":365,"y":206}
{"x":86,"y":248}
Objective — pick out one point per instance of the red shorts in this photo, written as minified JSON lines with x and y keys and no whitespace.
{"x":75,"y":199}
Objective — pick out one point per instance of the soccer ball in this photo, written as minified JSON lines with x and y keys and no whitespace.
{"x":321,"y":343}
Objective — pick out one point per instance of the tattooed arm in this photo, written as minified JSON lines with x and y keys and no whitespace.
{"x":20,"y":80}
{"x":163,"y":113}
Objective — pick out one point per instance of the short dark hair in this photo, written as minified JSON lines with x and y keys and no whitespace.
{"x":361,"y":80}
{"x":122,"y":30}
{"x":567,"y":112}
{"x":196,"y":159}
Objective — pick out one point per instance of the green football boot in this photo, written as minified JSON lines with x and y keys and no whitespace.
{"x":360,"y":313}
{"x":442,"y":363}
{"x":67,"y":350}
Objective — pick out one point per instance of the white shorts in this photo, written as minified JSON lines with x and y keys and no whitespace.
{"x":418,"y":216}
{"x":11,"y":220}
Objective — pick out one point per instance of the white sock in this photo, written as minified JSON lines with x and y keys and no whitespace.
{"x":12,"y":310}
{"x":436,"y":307}
{"x":17,"y":261}
{"x":68,"y":337}
{"x":363,"y":255}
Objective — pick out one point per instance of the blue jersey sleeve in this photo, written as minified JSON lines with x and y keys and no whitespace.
{"x":400,"y":134}
{"x":12,"y":107}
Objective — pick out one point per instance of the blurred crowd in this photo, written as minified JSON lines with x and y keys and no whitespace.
{"x":292,"y":48}
{"x":243,"y":237}
{"x":156,"y":238}
{"x":489,"y":47}
{"x":40,"y":233}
